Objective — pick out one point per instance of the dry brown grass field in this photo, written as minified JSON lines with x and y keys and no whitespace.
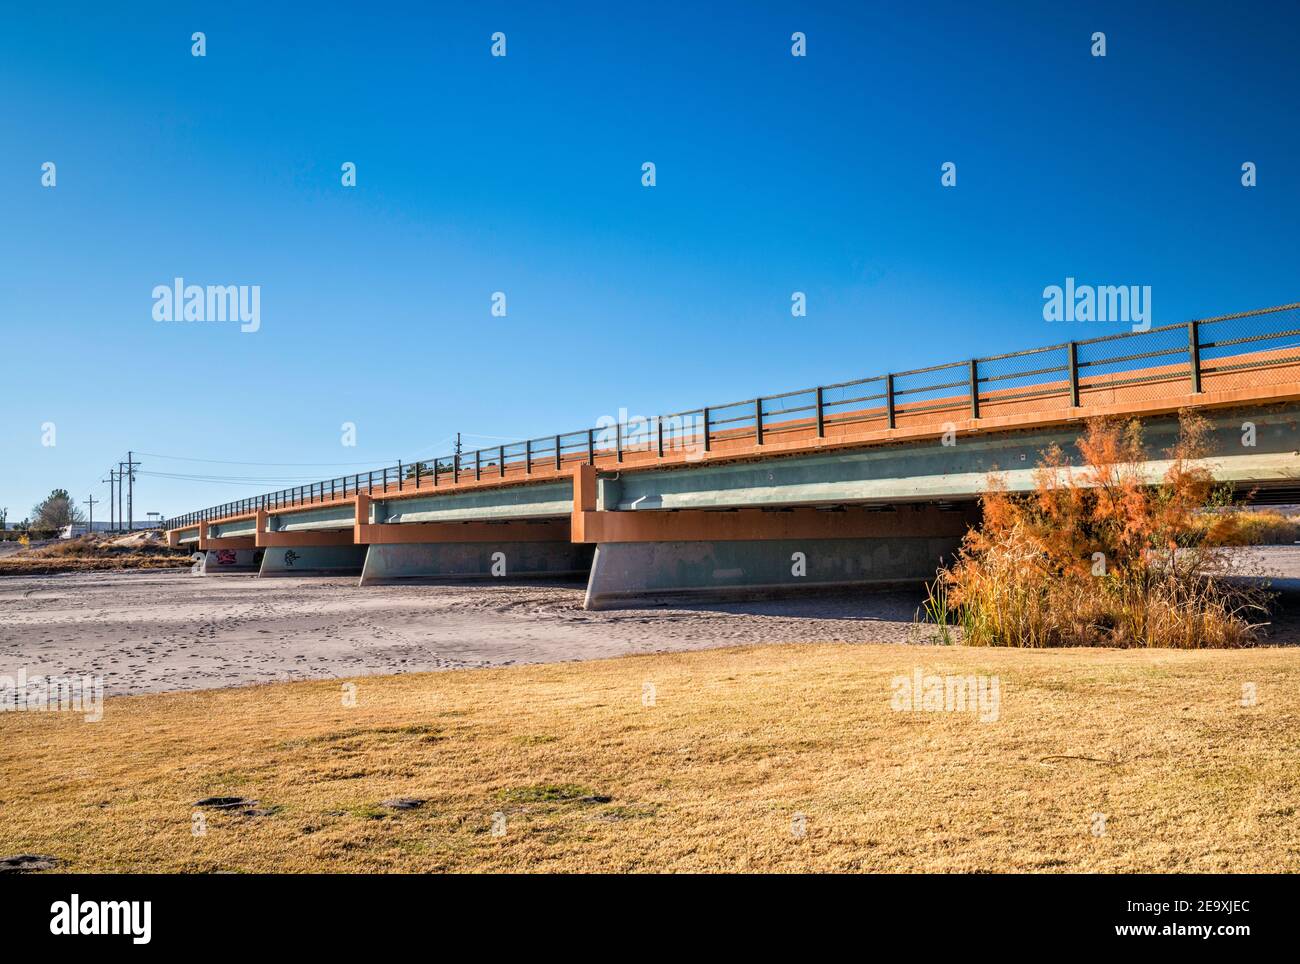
{"x":713,"y":776}
{"x":95,"y":553}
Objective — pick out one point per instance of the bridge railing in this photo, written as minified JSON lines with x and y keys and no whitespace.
{"x":1249,"y":349}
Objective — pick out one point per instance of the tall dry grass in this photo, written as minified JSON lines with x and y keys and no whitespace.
{"x":1097,"y":555}
{"x":1262,"y":527}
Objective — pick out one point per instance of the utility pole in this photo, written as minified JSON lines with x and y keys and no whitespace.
{"x":130,"y":492}
{"x":120,"y":475}
{"x":112,"y":477}
{"x":458,"y":446}
{"x":90,"y":526}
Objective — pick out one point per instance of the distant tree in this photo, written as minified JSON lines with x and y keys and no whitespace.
{"x":55,"y":511}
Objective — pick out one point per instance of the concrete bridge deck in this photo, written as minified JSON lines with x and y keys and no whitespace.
{"x":863,"y":482}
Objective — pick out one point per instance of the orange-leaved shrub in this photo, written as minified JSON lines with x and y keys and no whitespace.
{"x":1103,"y":554}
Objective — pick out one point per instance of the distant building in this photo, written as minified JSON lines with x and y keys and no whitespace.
{"x":72,"y":532}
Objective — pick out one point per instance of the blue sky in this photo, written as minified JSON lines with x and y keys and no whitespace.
{"x":522,"y":174}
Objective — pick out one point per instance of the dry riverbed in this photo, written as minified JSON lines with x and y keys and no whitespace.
{"x":149,"y":632}
{"x":146,"y":632}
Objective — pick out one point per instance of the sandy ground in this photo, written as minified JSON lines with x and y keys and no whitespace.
{"x":158,"y":631}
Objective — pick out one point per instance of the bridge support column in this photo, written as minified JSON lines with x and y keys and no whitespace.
{"x":653,"y":556}
{"x":331,"y":560}
{"x":327,"y":552}
{"x":229,"y":554}
{"x":221,"y":561}
{"x":472,"y":550}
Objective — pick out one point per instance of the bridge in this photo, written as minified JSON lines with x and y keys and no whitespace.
{"x":866,"y":482}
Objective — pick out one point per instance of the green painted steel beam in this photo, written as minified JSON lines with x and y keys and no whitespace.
{"x":920,"y":471}
{"x":544,"y":500}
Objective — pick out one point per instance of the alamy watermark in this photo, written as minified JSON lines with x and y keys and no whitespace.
{"x":1129,"y":304}
{"x":74,"y":916}
{"x":48,"y":694}
{"x":931,"y":693}
{"x":682,"y":434}
{"x":181,"y":302}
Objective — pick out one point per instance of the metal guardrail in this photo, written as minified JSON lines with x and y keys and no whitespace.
{"x":1055,"y":375}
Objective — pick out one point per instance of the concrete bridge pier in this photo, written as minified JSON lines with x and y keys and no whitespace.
{"x":328,"y":552}
{"x":319,"y":560}
{"x":227,"y":549}
{"x":472,"y":551}
{"x":657,"y":554}
{"x":218,"y":562}
{"x":632,"y":572}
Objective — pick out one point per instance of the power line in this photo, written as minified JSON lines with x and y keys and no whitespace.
{"x":494,"y":438}
{"x":182,"y":458}
{"x":433,"y":446}
{"x":228,"y":480}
